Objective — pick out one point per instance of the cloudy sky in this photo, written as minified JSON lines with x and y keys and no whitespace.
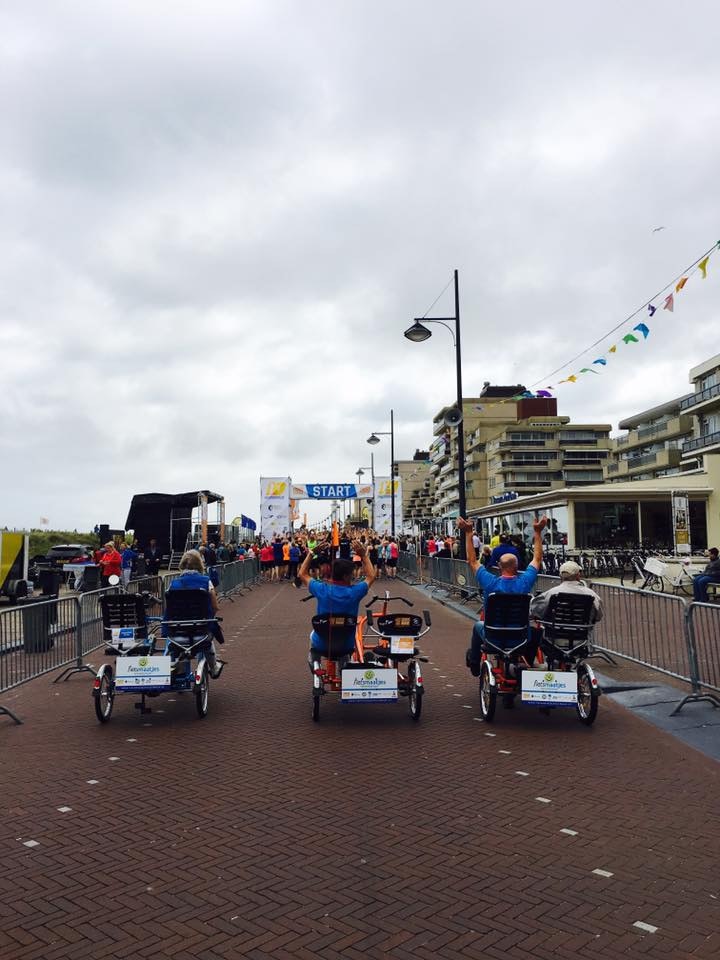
{"x":219,"y":217}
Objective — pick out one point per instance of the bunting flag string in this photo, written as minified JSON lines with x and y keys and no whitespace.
{"x":669,"y":291}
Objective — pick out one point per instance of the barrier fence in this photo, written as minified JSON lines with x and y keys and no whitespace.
{"x":44,"y":634}
{"x":663,"y":632}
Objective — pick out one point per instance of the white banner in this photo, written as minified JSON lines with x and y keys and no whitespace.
{"x":550,"y":688}
{"x":681,"y":521}
{"x":364,"y":683}
{"x":274,"y":506}
{"x":382,"y":506}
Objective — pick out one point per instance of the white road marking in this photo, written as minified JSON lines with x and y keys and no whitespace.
{"x":568,"y":832}
{"x":647,"y":927}
{"x":64,"y":809}
{"x":602,"y":873}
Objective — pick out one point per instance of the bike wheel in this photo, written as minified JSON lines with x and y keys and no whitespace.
{"x":202,"y":694}
{"x":104,"y":697}
{"x":488,"y":694}
{"x":587,"y":697}
{"x":415,"y":694}
{"x":657,"y":585}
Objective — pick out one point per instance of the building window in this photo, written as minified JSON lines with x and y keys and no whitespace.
{"x":606,"y":525}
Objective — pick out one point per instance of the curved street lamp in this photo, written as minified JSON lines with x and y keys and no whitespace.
{"x":418,"y":333}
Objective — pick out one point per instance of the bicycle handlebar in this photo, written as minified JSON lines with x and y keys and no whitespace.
{"x":387,"y":600}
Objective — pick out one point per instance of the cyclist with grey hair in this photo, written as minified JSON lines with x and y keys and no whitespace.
{"x":193,"y":577}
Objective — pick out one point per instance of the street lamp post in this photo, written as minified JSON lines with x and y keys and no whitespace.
{"x":373,"y":439}
{"x":418,"y":332}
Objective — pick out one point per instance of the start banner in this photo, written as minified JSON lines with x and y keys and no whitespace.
{"x":331,"y":491}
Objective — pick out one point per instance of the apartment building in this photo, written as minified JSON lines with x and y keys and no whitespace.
{"x":417,"y":489}
{"x":542,"y":451}
{"x":513,"y":447}
{"x":653,"y":444}
{"x":483,"y":416}
{"x":703,"y":404}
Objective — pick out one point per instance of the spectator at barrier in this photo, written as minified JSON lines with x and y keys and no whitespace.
{"x":277,"y":551}
{"x":509,"y":581}
{"x":495,"y":539}
{"x":485,"y":556}
{"x":711,"y":574}
{"x":127,"y":557}
{"x":223,"y":554}
{"x":392,"y":558}
{"x":431,"y":546}
{"x":517,"y":541}
{"x":476,"y":543}
{"x":110,"y":563}
{"x":294,"y":560}
{"x":152,"y":558}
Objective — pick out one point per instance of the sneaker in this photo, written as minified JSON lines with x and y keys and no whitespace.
{"x":472,"y":665}
{"x":215,"y":668}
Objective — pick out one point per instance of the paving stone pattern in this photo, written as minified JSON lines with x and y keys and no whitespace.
{"x":256,"y":833}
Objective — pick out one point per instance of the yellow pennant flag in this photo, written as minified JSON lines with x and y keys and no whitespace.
{"x":702,"y":266}
{"x":612,"y":349}
{"x":680,"y":284}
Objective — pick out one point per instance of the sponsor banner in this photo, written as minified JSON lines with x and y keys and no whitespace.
{"x":382,"y":506}
{"x":142,"y":673}
{"x":330,"y":491}
{"x":549,"y":689}
{"x":369,"y":683}
{"x":274,"y":506}
{"x":681,"y":521}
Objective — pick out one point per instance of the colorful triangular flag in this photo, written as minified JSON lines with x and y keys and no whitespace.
{"x":587,"y":370}
{"x":680,"y":284}
{"x":643,"y":330}
{"x":629,"y":338}
{"x":651,"y":309}
{"x":612,"y":349}
{"x":601,"y":360}
{"x":702,"y":266}
{"x":669,"y":303}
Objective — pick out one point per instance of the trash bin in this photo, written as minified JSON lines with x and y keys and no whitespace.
{"x":38,"y":615}
{"x":50,"y":581}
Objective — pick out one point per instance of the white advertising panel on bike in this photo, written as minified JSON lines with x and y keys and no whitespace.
{"x":369,"y":683}
{"x":402,"y":646}
{"x":549,"y":688}
{"x":142,"y":673}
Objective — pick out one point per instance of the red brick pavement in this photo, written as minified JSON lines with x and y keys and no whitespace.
{"x":256,"y":833}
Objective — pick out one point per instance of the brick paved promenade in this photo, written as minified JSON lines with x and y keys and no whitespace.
{"x":256,"y":833}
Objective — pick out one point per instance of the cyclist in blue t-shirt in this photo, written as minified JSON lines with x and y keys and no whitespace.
{"x":339,"y":595}
{"x":509,"y":581}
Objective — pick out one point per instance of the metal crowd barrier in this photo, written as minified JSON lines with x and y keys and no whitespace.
{"x":43,"y":634}
{"x":703,"y":641}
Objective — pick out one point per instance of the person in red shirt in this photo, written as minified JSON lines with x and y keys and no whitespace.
{"x":110,"y":563}
{"x":267,"y":558}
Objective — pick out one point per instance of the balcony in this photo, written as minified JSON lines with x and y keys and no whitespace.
{"x":659,"y":460}
{"x":711,"y":441}
{"x":701,"y":398}
{"x":513,"y":442}
{"x":667,"y":430}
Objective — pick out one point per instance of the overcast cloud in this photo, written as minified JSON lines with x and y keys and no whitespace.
{"x":219,"y":217}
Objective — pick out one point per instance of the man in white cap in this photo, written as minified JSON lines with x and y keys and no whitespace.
{"x":570,"y":582}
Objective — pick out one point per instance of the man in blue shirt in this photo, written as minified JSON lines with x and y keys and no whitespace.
{"x":509,"y":580}
{"x":339,"y":595}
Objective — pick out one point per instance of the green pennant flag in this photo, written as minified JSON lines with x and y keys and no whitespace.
{"x":629,"y":338}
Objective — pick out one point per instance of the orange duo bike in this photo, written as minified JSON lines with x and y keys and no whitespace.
{"x":384,"y":662}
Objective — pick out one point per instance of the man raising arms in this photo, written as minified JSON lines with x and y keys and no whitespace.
{"x":509,"y":580}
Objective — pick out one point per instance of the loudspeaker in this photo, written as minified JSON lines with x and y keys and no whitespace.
{"x":453,"y":417}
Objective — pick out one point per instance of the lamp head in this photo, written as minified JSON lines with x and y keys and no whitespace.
{"x":373,"y":439}
{"x":418,"y":332}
